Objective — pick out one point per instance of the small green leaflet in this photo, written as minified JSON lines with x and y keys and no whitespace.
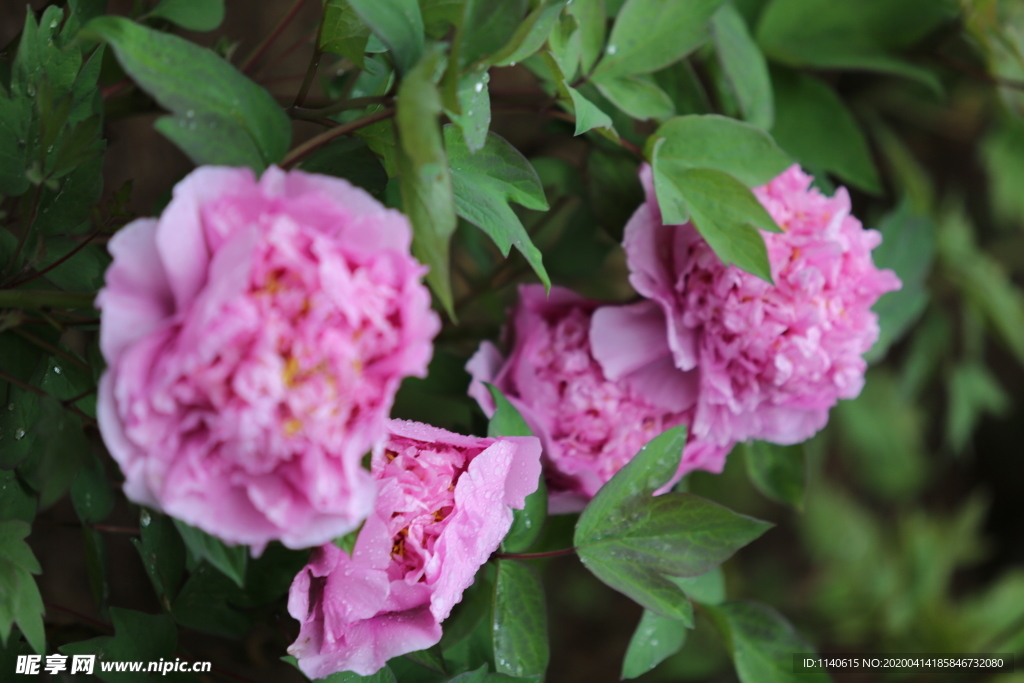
{"x":637,"y":96}
{"x":195,"y":15}
{"x":656,"y":638}
{"x":343,"y":32}
{"x":20,"y":601}
{"x":485,"y":182}
{"x":779,"y":472}
{"x":230,"y":560}
{"x":399,"y":24}
{"x":744,"y":66}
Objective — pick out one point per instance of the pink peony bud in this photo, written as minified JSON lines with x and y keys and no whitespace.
{"x":444,"y":506}
{"x":590,"y":425}
{"x":255,"y":336}
{"x":768,"y":362}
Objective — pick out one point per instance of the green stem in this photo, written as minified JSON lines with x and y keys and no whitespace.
{"x":36,"y":298}
{"x":344,"y":105}
{"x":535,"y":556}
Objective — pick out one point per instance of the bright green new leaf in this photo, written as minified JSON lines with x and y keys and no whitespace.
{"x":486,"y":26}
{"x":762,"y":643}
{"x":565,"y":46}
{"x":588,"y":115}
{"x":530,"y":35}
{"x":343,"y":32}
{"x":195,"y":15}
{"x":426,"y":182}
{"x":485,"y":182}
{"x":137,"y":637}
{"x":230,"y":560}
{"x":813,"y":124}
{"x":638,"y":96}
{"x":20,"y":601}
{"x":520,"y":626}
{"x":656,"y":638}
{"x":779,"y":472}
{"x":220,"y":116}
{"x":744,"y":66}
{"x":721,"y":143}
{"x":651,"y":34}
{"x":399,"y":24}
{"x":724,"y":211}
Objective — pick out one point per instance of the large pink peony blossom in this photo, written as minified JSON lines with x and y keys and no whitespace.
{"x":255,"y":336}
{"x":590,"y":425}
{"x":445,"y":504}
{"x":768,"y":362}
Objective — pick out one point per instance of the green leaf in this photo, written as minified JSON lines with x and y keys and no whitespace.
{"x":475,"y":104}
{"x":630,"y":539}
{"x":430,"y":658}
{"x":91,"y":494}
{"x":385,"y":675}
{"x":351,"y":159}
{"x":57,"y":452}
{"x":194,"y":15}
{"x":205,"y":604}
{"x":529,"y":35}
{"x":399,"y":24}
{"x":651,"y":34}
{"x":343,"y":32}
{"x":17,"y":426}
{"x":96,"y":567}
{"x":220,"y":116}
{"x":564,"y":43}
{"x":588,"y":115}
{"x":16,"y":499}
{"x":614,"y":191}
{"x":637,"y":96}
{"x":486,"y":26}
{"x":20,"y":601}
{"x":15,"y":118}
{"x":744,"y":66}
{"x":590,"y":16}
{"x":426,"y":182}
{"x":1002,"y":151}
{"x":707,"y":588}
{"x":163,"y":554}
{"x":230,"y":560}
{"x":973,"y":392}
{"x":762,"y":643}
{"x":656,"y":638}
{"x":725,"y":213}
{"x":814,"y":125}
{"x":686,"y":91}
{"x":779,"y":472}
{"x":721,"y":143}
{"x":137,"y":637}
{"x":485,"y":182}
{"x":507,"y":420}
{"x":908,"y":248}
{"x":520,"y":626}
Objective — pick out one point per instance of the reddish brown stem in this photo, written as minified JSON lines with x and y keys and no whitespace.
{"x":274,"y":34}
{"x":314,"y":143}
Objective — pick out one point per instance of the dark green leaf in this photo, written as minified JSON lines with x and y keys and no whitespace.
{"x":96,"y":567}
{"x":204,"y":604}
{"x":137,"y":637}
{"x":15,"y":118}
{"x":343,"y":32}
{"x":90,"y":493}
{"x":71,"y":203}
{"x":973,"y":392}
{"x":655,"y":639}
{"x":762,"y":643}
{"x":163,"y":554}
{"x":351,"y":159}
{"x":529,"y":35}
{"x":637,"y":96}
{"x":16,"y":499}
{"x":58,"y":451}
{"x":814,"y":125}
{"x":230,"y":560}
{"x":778,"y":472}
{"x":426,"y":182}
{"x":908,"y":248}
{"x":723,"y":210}
{"x":269,"y":576}
{"x":724,"y":144}
{"x":744,"y":66}
{"x":195,"y":15}
{"x":20,"y":602}
{"x":431,"y":658}
{"x":486,"y":26}
{"x":220,"y":116}
{"x":17,"y":426}
{"x":651,"y":34}
{"x":399,"y":24}
{"x":681,"y":84}
{"x":485,"y":182}
{"x":520,"y":627}
{"x":481,"y":675}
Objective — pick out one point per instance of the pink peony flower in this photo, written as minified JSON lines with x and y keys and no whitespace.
{"x":255,"y":336}
{"x":445,"y":505}
{"x":768,"y":361}
{"x":590,"y":425}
